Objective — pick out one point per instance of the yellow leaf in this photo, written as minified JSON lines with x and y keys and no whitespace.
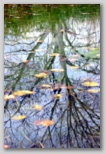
{"x":93,"y":48}
{"x":93,"y":90}
{"x":37,"y":107}
{"x":39,"y":41}
{"x":90,"y":84}
{"x":98,"y":55}
{"x":20,"y":117}
{"x":57,"y":96}
{"x":74,"y":67}
{"x":62,"y":30}
{"x":8,"y":97}
{"x":46,"y":86}
{"x":23,"y":92}
{"x":38,"y":50}
{"x":57,"y":70}
{"x":54,"y":54}
{"x":41,"y":75}
{"x":25,"y":61}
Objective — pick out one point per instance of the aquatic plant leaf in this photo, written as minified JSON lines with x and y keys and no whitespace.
{"x":57,"y":70}
{"x":20,"y":117}
{"x":8,"y":97}
{"x":93,"y":90}
{"x":90,"y":84}
{"x":41,"y":75}
{"x":37,"y":107}
{"x":23,"y":92}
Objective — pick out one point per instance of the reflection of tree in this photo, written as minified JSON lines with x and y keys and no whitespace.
{"x":77,"y":123}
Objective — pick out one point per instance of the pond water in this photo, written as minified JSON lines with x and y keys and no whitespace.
{"x":51,"y":76}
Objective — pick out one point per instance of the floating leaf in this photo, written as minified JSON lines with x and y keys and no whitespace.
{"x":37,"y":107}
{"x":38,"y":122}
{"x":23,"y":92}
{"x":38,"y":50}
{"x":64,"y":87}
{"x":20,"y":117}
{"x":74,"y":67}
{"x":93,"y":90}
{"x":44,"y":122}
{"x":62,"y":30}
{"x":46,"y":86}
{"x":72,"y":59}
{"x":39,"y":41}
{"x":8,"y":97}
{"x":94,"y":48}
{"x":6,"y":146}
{"x":54,"y":54}
{"x":76,"y":56}
{"x":97,"y":55}
{"x":57,"y":70}
{"x":41,"y":75}
{"x":90,"y":84}
{"x":47,"y":122}
{"x":25,"y":61}
{"x":57,"y":96}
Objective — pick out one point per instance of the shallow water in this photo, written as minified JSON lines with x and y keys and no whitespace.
{"x":60,"y":95}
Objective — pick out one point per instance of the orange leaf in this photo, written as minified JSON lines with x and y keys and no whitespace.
{"x":47,"y":122}
{"x":6,"y":146}
{"x":44,"y":122}
{"x":38,"y":122}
